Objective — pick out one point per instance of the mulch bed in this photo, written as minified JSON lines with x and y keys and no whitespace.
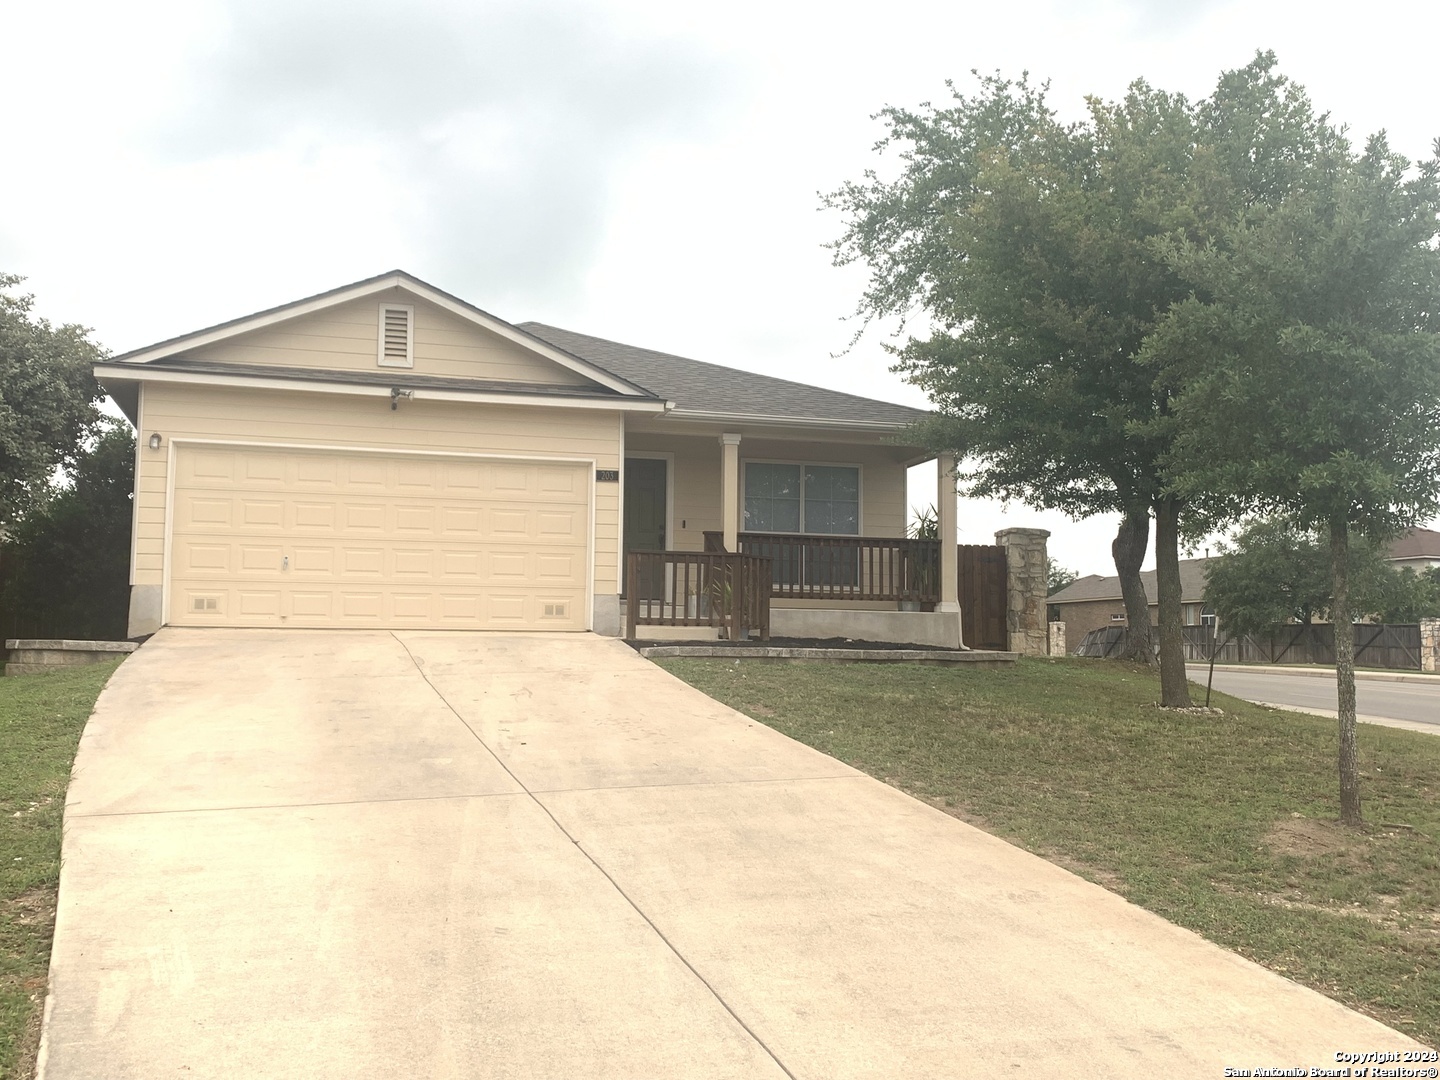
{"x":796,"y":643}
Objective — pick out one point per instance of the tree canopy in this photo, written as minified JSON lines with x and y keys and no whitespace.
{"x":1304,"y":371}
{"x":67,"y":571}
{"x":48,"y":394}
{"x":1276,"y":571}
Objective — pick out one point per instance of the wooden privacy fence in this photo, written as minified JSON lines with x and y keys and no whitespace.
{"x":1380,"y":645}
{"x":844,"y":567}
{"x":698,"y":588}
{"x":984,"y":596}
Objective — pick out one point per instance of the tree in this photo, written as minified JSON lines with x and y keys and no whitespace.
{"x":1305,"y":370}
{"x":1029,"y":244}
{"x":1410,"y":597}
{"x":70,"y":556}
{"x":47,"y":399}
{"x":1277,"y":571}
{"x":1058,"y":577}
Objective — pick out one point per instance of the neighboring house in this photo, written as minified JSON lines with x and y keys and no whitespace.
{"x":1089,"y":603}
{"x":1418,"y":550}
{"x":387,"y":455}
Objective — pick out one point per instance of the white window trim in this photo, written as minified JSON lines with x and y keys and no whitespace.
{"x":859,"y":497}
{"x":380,"y":359}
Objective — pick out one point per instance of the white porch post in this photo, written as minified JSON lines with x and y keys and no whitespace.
{"x":730,"y":489}
{"x":946,"y":513}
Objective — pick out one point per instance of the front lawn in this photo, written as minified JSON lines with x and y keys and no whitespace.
{"x":41,"y":717}
{"x":1223,"y":824}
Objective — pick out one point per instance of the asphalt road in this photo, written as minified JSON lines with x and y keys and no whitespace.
{"x":1413,"y":701}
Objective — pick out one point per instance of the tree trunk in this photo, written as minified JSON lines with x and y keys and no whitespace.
{"x":1341,"y":619}
{"x":1174,"y":686}
{"x":1128,"y":548}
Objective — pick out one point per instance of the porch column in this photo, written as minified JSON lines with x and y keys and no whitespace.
{"x":730,"y":489}
{"x":946,"y":513}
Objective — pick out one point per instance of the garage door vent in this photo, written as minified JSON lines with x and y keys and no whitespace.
{"x":397,"y":335}
{"x":204,"y":603}
{"x":555,"y":611}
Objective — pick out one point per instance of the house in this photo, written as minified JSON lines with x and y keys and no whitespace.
{"x":388,"y":455}
{"x":1417,"y":549}
{"x":1089,"y":603}
{"x":1094,"y":601}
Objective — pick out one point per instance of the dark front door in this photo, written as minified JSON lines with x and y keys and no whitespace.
{"x":645,"y":514}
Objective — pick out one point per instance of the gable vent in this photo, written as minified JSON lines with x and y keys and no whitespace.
{"x":397,"y":335}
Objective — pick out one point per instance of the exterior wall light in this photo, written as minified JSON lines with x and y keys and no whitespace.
{"x":155,"y":440}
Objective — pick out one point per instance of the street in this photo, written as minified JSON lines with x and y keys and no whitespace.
{"x":1410,"y":701}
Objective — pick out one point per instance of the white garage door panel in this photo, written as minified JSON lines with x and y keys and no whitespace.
{"x":300,"y":538}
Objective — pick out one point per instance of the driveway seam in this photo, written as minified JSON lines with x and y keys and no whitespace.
{"x":419,"y":668}
{"x":697,"y":783}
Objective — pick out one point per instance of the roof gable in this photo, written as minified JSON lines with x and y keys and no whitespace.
{"x":339,"y":330}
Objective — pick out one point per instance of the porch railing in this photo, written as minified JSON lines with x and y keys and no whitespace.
{"x":696,"y":588}
{"x":844,"y":567}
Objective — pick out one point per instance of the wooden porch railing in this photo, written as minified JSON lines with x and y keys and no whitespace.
{"x":695,"y":588}
{"x":844,"y":567}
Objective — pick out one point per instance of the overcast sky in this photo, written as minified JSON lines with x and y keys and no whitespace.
{"x":641,"y":171}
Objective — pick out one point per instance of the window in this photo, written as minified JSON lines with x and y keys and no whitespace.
{"x":397,"y":336}
{"x":813,"y":499}
{"x":822,"y":499}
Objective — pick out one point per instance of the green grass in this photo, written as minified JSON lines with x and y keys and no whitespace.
{"x":1223,"y":824}
{"x":41,"y":717}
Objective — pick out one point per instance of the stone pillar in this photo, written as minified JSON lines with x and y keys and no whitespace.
{"x":1430,"y":644}
{"x":730,"y":489}
{"x":946,"y":513}
{"x":1028,"y":577}
{"x":1057,"y":638}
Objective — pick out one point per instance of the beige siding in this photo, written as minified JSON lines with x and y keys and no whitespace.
{"x":310,"y":419}
{"x":346,"y":338}
{"x":697,"y":480}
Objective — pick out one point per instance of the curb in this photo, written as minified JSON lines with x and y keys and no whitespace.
{"x":1272,"y":669}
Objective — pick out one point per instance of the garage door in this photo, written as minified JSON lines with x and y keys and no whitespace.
{"x":266,"y":537}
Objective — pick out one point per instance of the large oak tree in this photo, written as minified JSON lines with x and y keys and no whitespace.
{"x":1029,"y":246}
{"x":1305,"y":369}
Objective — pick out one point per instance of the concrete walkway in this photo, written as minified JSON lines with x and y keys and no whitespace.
{"x":354,"y":855}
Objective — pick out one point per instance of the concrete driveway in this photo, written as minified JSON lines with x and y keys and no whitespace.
{"x":353,"y":855}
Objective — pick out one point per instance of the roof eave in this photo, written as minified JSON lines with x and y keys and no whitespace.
{"x":815,"y":422}
{"x":130,"y":372}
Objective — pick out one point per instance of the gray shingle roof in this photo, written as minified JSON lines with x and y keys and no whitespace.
{"x":1416,"y":544}
{"x":696,"y":386}
{"x":1095,"y":587}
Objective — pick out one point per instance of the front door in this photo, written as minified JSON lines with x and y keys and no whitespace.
{"x":645,"y":514}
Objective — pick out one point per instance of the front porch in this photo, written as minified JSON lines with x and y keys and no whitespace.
{"x":820,"y":519}
{"x":821,"y":522}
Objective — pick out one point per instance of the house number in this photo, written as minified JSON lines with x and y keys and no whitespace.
{"x":607,"y":476}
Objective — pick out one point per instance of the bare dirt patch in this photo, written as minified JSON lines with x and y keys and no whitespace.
{"x":1305,"y":838}
{"x":34,"y":907}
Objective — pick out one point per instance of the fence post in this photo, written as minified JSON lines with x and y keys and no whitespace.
{"x":1027,"y":583}
{"x":632,"y":595}
{"x":1430,"y":644}
{"x":1057,"y":639}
